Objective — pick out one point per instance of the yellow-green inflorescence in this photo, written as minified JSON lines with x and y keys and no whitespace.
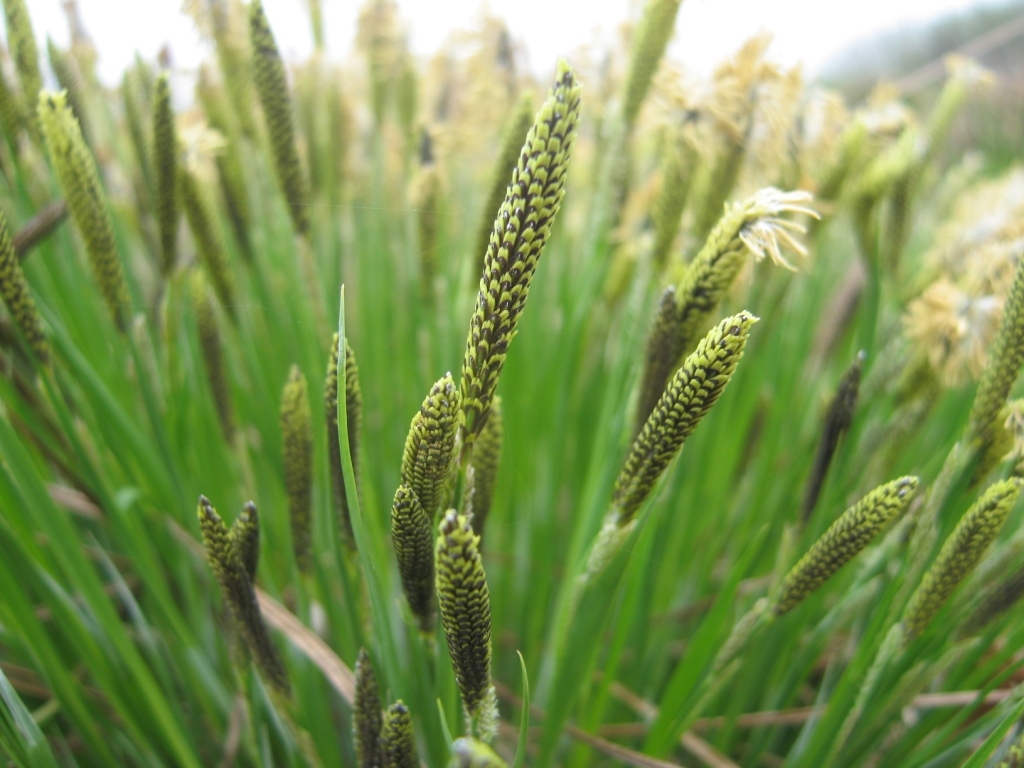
{"x":753,"y":225}
{"x":486,"y":459}
{"x":412,"y":532}
{"x":844,"y":539}
{"x":690,"y":394}
{"x":80,"y":182}
{"x":225,"y":551}
{"x":430,"y":445}
{"x":22,"y":44}
{"x":366,"y":713}
{"x":272,"y":88}
{"x":65,"y":68}
{"x":200,"y":211}
{"x":354,"y":415}
{"x":297,"y":443}
{"x":14,"y":289}
{"x":465,"y":606}
{"x":397,"y":741}
{"x":649,"y":42}
{"x":960,"y":553}
{"x":518,"y":124}
{"x":1004,"y":363}
{"x":213,"y":352}
{"x":520,"y":232}
{"x":165,"y":155}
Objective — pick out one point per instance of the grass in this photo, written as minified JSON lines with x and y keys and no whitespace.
{"x":117,"y":646}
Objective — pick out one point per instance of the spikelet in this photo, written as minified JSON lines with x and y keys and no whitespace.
{"x":959,"y":554}
{"x":837,"y":421}
{"x":677,"y":163}
{"x":467,"y":752}
{"x":649,"y":43}
{"x":511,"y":142}
{"x":65,"y":67}
{"x":245,"y":538}
{"x":202,"y":221}
{"x":213,"y":354}
{"x":79,"y":180}
{"x":379,"y":35}
{"x":486,"y":459}
{"x":753,"y":225}
{"x":240,"y":597}
{"x":297,"y":444}
{"x":12,"y":111}
{"x":1004,"y":362}
{"x":397,"y":742}
{"x":425,"y":193}
{"x":366,"y":714}
{"x":661,"y":355}
{"x":1000,"y":599}
{"x":165,"y":156}
{"x":688,"y":397}
{"x":135,"y":109}
{"x":430,"y":445}
{"x":272,"y":88}
{"x":844,"y":539}
{"x":466,"y":615}
{"x":413,"y":537}
{"x":21,"y":42}
{"x":354,"y":414}
{"x":17,"y":297}
{"x":520,"y":232}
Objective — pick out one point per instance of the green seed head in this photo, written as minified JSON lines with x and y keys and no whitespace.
{"x":200,"y":210}
{"x":466,"y":615}
{"x":486,"y":458}
{"x":22,"y":43}
{"x":844,"y":539}
{"x":430,"y":445}
{"x":397,"y":742}
{"x":65,"y":67}
{"x":354,"y":414}
{"x":272,"y":88}
{"x":661,"y":355}
{"x":76,"y":171}
{"x":412,"y":534}
{"x":240,"y":597}
{"x":165,"y":153}
{"x":520,"y":232}
{"x":960,"y":554}
{"x":690,"y":394}
{"x":649,"y":43}
{"x":297,"y":441}
{"x":366,"y":714}
{"x":677,"y":165}
{"x":14,"y":289}
{"x":245,"y":538}
{"x":212,"y":349}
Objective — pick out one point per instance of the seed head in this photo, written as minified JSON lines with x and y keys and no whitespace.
{"x":297,"y":441}
{"x":76,"y":171}
{"x":366,"y":714}
{"x":272,"y":88}
{"x":14,"y":289}
{"x":520,"y":232}
{"x":466,"y":615}
{"x":412,"y":535}
{"x":486,"y":459}
{"x":212,"y":349}
{"x":690,"y":394}
{"x":165,"y":150}
{"x":845,"y":538}
{"x":397,"y":742}
{"x":959,"y":554}
{"x":236,"y":585}
{"x":430,"y":445}
{"x":354,"y":415}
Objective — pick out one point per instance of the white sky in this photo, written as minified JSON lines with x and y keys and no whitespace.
{"x":706,"y":30}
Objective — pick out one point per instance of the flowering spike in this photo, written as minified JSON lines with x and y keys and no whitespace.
{"x":430,"y":445}
{"x":14,"y":289}
{"x":466,"y":614}
{"x":412,"y":534}
{"x":844,"y":539}
{"x":397,"y":743}
{"x":297,"y":441}
{"x":366,"y":713}
{"x":354,"y":415}
{"x":520,"y":232}
{"x":165,"y":155}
